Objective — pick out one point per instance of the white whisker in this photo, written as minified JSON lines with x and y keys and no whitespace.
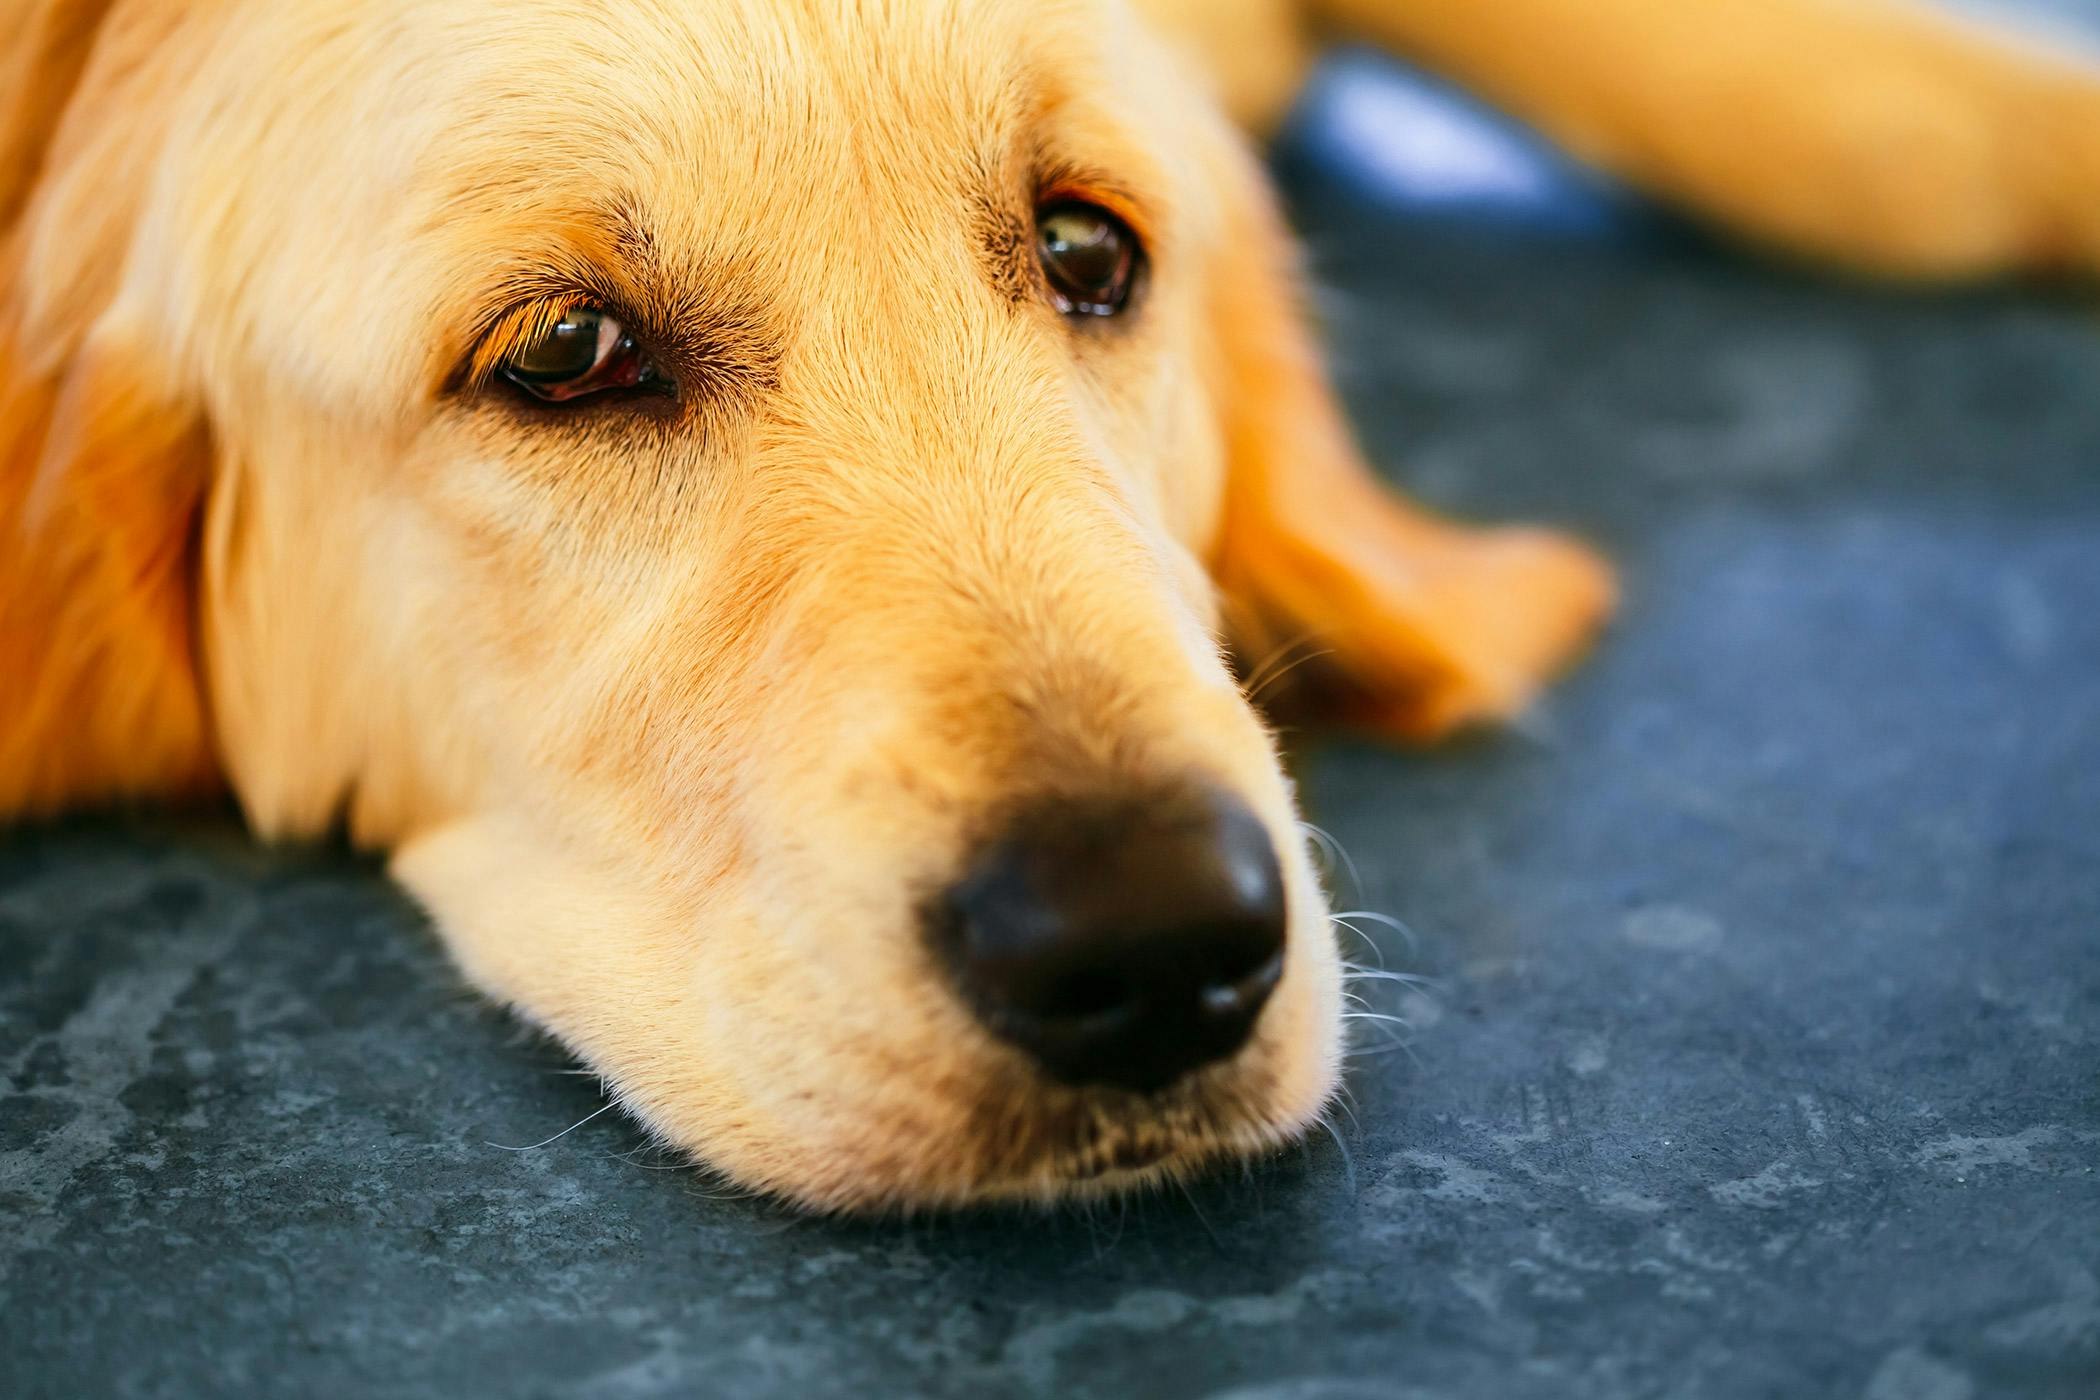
{"x":628,"y":1159}
{"x":1377,"y":953}
{"x":1348,"y":1161}
{"x":1346,"y":1102}
{"x":1254,"y":691}
{"x":1336,"y":854}
{"x":1267,"y":672}
{"x":1377,"y":1016}
{"x":1357,"y":972}
{"x":1189,"y":1193}
{"x":605,"y":1108}
{"x":1375,"y":917}
{"x":1385,"y":1047}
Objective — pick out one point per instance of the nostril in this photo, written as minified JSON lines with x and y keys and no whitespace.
{"x":1121,"y":942}
{"x":1235,"y":996}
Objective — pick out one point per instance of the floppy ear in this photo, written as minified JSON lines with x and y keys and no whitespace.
{"x":40,"y":64}
{"x":100,"y":486}
{"x":101,"y":477}
{"x":1412,"y":625}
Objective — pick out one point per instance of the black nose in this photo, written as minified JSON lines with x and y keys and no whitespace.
{"x":1121,"y":942}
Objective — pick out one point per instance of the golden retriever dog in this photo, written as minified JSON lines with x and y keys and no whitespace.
{"x":747,"y":501}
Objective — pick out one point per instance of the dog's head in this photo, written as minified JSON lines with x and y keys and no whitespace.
{"x":735,"y":495}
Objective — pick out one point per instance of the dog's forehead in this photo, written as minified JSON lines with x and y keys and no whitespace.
{"x":763,"y":145}
{"x":803,"y":97}
{"x":752,"y":143}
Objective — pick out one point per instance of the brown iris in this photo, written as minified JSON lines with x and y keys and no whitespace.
{"x":1090,"y":258}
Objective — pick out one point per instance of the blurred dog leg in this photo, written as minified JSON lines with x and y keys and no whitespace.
{"x":1873,"y":133}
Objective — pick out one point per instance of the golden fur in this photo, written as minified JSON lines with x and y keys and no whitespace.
{"x":672,"y":718}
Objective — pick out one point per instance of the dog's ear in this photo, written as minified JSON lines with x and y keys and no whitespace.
{"x":102,"y":472}
{"x":1387,"y":616}
{"x":40,"y":65}
{"x":101,"y":482}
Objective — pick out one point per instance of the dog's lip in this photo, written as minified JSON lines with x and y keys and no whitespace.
{"x":1118,"y":1174}
{"x":1107,"y":1175}
{"x":1135,"y":1159}
{"x":1130,"y":1157}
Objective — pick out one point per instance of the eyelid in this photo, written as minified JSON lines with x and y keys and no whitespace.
{"x":1068,"y":185}
{"x":513,"y":331}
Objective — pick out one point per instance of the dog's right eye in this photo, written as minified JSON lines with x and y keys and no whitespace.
{"x":1091,"y":259}
{"x":586,"y":352}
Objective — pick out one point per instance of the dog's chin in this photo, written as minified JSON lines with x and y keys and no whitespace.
{"x":1042,"y":1144}
{"x":987,"y":1130}
{"x":1122,"y":1151}
{"x":1131,"y":1159}
{"x":1020,"y":1141}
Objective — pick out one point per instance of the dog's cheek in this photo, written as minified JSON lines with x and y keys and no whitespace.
{"x":721,"y":1047}
{"x":518,"y":930}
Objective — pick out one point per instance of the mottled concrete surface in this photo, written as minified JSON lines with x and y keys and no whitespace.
{"x":1762,"y":1056}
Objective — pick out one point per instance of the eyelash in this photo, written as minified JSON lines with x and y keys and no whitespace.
{"x":514,"y":333}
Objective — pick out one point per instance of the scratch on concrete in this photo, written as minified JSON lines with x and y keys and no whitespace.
{"x":1963,"y":1155}
{"x":1768,"y":1189}
{"x":105,"y":1047}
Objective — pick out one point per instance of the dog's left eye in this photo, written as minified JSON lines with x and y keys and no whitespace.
{"x":586,"y":352}
{"x":1090,"y":258}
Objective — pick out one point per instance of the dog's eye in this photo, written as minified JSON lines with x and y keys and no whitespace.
{"x":585,"y":352}
{"x":1090,"y":258}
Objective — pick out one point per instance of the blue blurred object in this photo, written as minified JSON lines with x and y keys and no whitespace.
{"x":1417,"y":145}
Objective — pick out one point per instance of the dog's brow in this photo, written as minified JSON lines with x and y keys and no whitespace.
{"x":705,"y":314}
{"x":1004,"y":241}
{"x":710,"y":312}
